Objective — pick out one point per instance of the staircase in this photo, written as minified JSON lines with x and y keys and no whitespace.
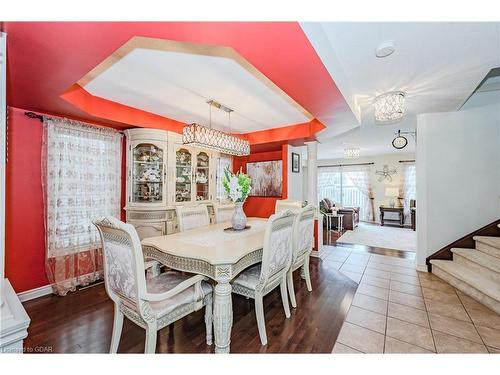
{"x":476,"y":272}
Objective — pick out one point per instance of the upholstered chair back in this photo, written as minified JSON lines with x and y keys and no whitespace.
{"x":223,"y":212}
{"x":124,"y":275}
{"x":277,"y":250}
{"x":303,"y":232}
{"x":190,"y":217}
{"x":287,"y":204}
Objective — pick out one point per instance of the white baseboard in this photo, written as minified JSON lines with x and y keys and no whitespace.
{"x":422,"y":268}
{"x":35,"y":293}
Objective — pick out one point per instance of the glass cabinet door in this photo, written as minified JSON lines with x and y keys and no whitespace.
{"x":202,"y":176}
{"x":183,"y":175}
{"x":147,"y":173}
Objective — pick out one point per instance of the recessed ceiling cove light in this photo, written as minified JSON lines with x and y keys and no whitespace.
{"x":385,"y":49}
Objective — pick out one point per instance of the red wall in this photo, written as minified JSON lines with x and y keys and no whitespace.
{"x":24,"y":228}
{"x":263,"y":206}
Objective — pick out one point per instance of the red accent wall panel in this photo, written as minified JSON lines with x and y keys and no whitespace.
{"x":24,"y":224}
{"x":263,"y":206}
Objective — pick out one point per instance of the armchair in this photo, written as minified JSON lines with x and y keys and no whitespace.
{"x":351,"y":214}
{"x":150,"y":303}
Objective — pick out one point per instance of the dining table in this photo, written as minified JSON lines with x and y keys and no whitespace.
{"x":218,"y":253}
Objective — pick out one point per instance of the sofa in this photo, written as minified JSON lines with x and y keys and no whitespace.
{"x":351,"y":214}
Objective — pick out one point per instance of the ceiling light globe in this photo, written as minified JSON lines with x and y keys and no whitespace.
{"x":390,"y":107}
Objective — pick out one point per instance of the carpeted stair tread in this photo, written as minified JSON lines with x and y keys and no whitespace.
{"x":463,"y":273}
{"x":483,"y":259}
{"x":488,"y":240}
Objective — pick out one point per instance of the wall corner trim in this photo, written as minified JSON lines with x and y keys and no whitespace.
{"x":35,"y":293}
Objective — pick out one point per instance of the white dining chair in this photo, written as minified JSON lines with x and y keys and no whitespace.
{"x":302,"y":244}
{"x":223,"y":212}
{"x":257,"y":281}
{"x":190,"y":217}
{"x":287,"y":204}
{"x":150,"y":303}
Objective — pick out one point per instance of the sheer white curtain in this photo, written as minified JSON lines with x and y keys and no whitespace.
{"x":224,"y":161}
{"x":81,"y":169}
{"x":330,"y":184}
{"x":409,"y":189}
{"x":347,"y":186}
{"x":357,"y":179}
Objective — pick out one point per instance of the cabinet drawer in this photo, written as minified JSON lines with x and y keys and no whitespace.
{"x":146,"y":215}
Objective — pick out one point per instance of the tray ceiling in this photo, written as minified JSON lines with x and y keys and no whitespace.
{"x":176,"y":79}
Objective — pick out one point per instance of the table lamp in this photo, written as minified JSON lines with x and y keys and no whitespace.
{"x":391,"y":193}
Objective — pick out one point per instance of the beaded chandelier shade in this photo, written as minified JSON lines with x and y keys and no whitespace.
{"x":351,"y":152}
{"x":390,"y":107}
{"x":203,"y":136}
{"x":213,"y":139}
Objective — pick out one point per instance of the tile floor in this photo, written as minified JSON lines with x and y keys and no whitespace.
{"x":399,"y":310}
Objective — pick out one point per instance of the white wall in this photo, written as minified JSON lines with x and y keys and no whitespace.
{"x":392,"y":161}
{"x":481,"y":99}
{"x":458,"y":175}
{"x":3,"y":126}
{"x":296,"y":180}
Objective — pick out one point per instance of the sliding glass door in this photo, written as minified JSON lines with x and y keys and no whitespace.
{"x":346,"y":187}
{"x":330,"y":184}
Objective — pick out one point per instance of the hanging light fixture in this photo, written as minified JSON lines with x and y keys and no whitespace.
{"x":390,"y":107}
{"x":351,"y":152}
{"x":213,"y":139}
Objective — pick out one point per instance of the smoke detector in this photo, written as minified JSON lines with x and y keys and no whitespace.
{"x":385,"y":49}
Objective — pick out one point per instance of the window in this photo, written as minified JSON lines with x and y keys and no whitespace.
{"x":81,"y":167}
{"x":224,"y":161}
{"x":347,"y":187}
{"x":330,"y":184}
{"x":409,"y":187}
{"x":410,"y":182}
{"x":352,"y":195}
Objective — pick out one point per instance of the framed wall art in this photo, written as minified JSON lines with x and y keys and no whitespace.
{"x":295,"y":162}
{"x":267,"y":178}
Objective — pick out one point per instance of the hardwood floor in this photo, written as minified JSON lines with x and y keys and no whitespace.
{"x":81,"y":322}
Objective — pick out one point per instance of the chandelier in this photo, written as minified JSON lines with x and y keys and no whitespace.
{"x":351,"y":152}
{"x":213,"y":139}
{"x":390,"y":107}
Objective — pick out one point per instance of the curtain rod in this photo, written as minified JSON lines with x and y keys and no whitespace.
{"x":407,"y":161}
{"x":34,"y":116}
{"x":40,"y":118}
{"x":343,"y":165}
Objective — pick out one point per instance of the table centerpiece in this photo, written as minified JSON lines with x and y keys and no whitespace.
{"x":237,"y":186}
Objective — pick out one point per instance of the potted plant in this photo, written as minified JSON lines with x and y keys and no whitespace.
{"x":237,"y":186}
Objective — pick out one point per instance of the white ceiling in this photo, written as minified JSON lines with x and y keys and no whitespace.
{"x":438,"y":65}
{"x":177,"y":85}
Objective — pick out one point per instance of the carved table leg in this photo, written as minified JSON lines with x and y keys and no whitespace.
{"x":223,"y":316}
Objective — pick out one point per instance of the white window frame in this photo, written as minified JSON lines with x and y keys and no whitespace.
{"x":222,"y":161}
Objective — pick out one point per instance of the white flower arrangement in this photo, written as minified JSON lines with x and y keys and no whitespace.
{"x":237,"y":185}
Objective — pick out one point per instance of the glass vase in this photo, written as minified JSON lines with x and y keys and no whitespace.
{"x":239,"y":219}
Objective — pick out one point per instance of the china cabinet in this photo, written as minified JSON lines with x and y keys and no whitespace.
{"x":163,"y":173}
{"x":147,"y":171}
{"x":193,"y":177}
